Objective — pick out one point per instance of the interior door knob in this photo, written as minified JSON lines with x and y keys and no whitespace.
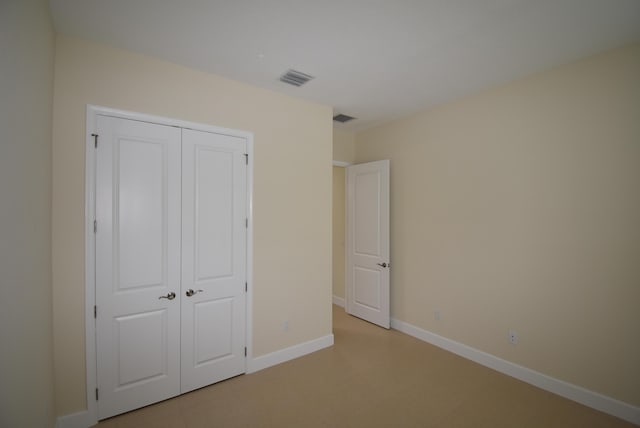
{"x":190,"y":292}
{"x":169,"y":296}
{"x":384,"y":265}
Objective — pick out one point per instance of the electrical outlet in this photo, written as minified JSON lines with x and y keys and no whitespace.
{"x":513,"y":337}
{"x":285,"y":325}
{"x":436,"y":315}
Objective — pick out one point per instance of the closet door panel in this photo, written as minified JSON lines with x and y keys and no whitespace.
{"x":214,"y":214}
{"x":138,"y":206}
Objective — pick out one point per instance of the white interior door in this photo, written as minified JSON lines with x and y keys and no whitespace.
{"x":368,"y":261}
{"x":214,"y":234}
{"x":171,"y":251}
{"x":137,"y":264}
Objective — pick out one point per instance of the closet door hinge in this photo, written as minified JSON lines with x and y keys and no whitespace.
{"x":245,"y":351}
{"x":246,"y":159}
{"x":96,"y":394}
{"x":95,"y":140}
{"x":95,"y":226}
{"x":246,"y":287}
{"x":95,"y":311}
{"x":246,"y":223}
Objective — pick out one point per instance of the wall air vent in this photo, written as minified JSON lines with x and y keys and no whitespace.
{"x":342,"y":118}
{"x":295,"y":78}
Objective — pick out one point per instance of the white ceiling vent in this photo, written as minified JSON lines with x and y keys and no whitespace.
{"x":295,"y":78}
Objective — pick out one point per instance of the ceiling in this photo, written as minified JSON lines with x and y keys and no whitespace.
{"x":377,"y":60}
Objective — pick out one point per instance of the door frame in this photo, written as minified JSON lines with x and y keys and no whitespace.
{"x":92,"y":112}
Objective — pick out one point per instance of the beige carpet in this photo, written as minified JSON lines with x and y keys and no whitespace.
{"x":371,"y":377}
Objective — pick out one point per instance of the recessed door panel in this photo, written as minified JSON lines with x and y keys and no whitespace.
{"x":366,"y":287}
{"x":214,"y":212}
{"x":213,"y":330}
{"x":367,"y":210}
{"x":141,"y":189}
{"x":141,"y":341}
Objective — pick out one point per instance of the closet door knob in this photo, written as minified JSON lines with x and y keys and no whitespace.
{"x":190,"y":292}
{"x":169,"y":296}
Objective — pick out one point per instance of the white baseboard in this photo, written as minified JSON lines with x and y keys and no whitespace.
{"x":290,"y":353}
{"x":576,"y":393}
{"x":82,"y":419}
{"x":339,"y":301}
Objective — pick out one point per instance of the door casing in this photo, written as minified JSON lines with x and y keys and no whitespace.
{"x":90,"y":215}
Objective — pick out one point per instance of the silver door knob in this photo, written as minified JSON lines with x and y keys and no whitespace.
{"x":384,"y":265}
{"x":190,"y":292}
{"x":169,"y":296}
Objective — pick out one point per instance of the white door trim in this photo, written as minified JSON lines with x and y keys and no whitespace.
{"x":91,"y":416}
{"x":342,"y":164}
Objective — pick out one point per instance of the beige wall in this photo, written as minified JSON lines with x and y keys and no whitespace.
{"x":344,"y":145}
{"x":26,"y":88}
{"x":291,"y":204}
{"x":338,"y":230}
{"x":519,"y":208}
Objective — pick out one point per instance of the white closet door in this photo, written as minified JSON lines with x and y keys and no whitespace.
{"x":214,"y":212}
{"x":137,"y":264}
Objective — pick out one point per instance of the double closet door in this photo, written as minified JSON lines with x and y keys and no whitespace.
{"x":171,"y":210}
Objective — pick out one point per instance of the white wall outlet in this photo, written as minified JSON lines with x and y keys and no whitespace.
{"x":285,"y":325}
{"x":436,"y":315}
{"x":513,"y":337}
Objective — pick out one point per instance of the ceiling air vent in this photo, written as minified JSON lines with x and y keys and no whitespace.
{"x":295,"y":78}
{"x":342,"y":118}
